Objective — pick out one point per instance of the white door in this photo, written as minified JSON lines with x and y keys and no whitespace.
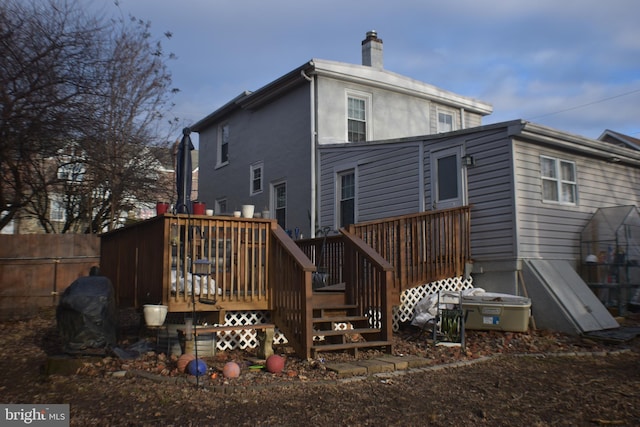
{"x":447,"y":178}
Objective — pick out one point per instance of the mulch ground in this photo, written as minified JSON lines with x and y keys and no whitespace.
{"x":496,"y":385}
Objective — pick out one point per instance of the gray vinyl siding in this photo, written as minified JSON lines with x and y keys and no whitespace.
{"x":549,"y":230}
{"x":387,"y":180}
{"x":397,"y":171}
{"x":278,"y":135}
{"x":490,"y":193}
{"x":388,"y":184}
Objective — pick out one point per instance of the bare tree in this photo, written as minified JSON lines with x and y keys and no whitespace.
{"x":90,"y":134}
{"x":129,"y":102}
{"x":42,"y":79}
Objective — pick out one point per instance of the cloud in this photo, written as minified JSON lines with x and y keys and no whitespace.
{"x":528,"y":58}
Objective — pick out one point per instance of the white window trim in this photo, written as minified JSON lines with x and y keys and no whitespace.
{"x":219,"y":162}
{"x":454,"y":125}
{"x":274,"y":200}
{"x":338,"y":172}
{"x":559,"y":181}
{"x":461,"y":198}
{"x":367,"y":98}
{"x":252,"y":169}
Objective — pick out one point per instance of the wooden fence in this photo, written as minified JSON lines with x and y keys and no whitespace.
{"x":36,"y":268}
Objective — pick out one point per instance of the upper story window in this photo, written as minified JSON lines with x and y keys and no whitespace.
{"x":558,"y":180}
{"x":445,"y":122}
{"x":346,"y":198}
{"x":357,"y":114}
{"x":71,"y":172}
{"x":223,"y":145}
{"x":255,"y":177}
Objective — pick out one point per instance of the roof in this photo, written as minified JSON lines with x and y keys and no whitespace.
{"x":362,"y":74}
{"x":528,"y":131}
{"x":620,"y":139}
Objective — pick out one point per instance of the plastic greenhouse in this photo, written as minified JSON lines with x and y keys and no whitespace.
{"x":610,"y":249}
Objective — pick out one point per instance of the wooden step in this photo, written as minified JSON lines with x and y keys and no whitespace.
{"x":333,"y":332}
{"x":339,"y":319}
{"x":334,"y":307}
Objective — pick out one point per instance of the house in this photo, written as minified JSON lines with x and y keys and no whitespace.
{"x":532,"y":190}
{"x":261,"y":147}
{"x":620,"y":139}
{"x":166,"y":159}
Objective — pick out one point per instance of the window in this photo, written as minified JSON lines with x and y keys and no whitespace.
{"x":445,"y":122}
{"x":57,"y":209}
{"x":357,"y":111}
{"x":558,"y":180}
{"x":448,"y":184}
{"x":71,"y":172}
{"x":223,"y":144}
{"x":346,"y":198}
{"x":256,"y":178}
{"x":280,"y":203}
{"x":447,"y":178}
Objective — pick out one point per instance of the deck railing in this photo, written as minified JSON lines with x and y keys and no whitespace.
{"x":222,"y":260}
{"x":327,"y":254}
{"x":422,"y":247}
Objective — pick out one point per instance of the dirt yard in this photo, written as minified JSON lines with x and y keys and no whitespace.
{"x":502,"y":379}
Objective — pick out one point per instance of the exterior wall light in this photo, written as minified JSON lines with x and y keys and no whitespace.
{"x":469,"y":160}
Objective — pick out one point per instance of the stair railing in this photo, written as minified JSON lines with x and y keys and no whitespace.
{"x":290,"y":279}
{"x":368,"y":283}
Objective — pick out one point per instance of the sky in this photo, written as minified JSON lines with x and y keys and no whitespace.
{"x":573,"y":65}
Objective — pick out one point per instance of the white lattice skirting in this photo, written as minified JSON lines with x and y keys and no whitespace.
{"x":246,"y":339}
{"x":243,"y":339}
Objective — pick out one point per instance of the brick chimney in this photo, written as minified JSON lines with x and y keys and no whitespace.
{"x":372,"y":50}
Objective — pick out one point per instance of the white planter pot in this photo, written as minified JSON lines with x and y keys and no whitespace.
{"x":154,"y":315}
{"x":247,"y":211}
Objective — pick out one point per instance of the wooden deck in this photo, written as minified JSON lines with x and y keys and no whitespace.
{"x":237,"y":264}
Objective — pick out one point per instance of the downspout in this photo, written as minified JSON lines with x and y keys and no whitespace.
{"x":463,"y":125}
{"x":314,"y":167}
{"x":421,"y":188}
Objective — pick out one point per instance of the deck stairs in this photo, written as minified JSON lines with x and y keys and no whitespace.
{"x":339,"y":327}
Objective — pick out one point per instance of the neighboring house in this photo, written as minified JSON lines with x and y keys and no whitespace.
{"x":166,"y":172}
{"x":620,"y":139}
{"x":531,"y":189}
{"x":72,"y":171}
{"x":261,"y":147}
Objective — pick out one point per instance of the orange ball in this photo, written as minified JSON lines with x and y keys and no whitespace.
{"x":275,"y":363}
{"x":231,"y":370}
{"x":183,"y":361}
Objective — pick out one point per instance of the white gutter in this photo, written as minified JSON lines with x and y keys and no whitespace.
{"x":314,"y":166}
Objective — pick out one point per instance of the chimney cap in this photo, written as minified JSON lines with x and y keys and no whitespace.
{"x":371,"y":36}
